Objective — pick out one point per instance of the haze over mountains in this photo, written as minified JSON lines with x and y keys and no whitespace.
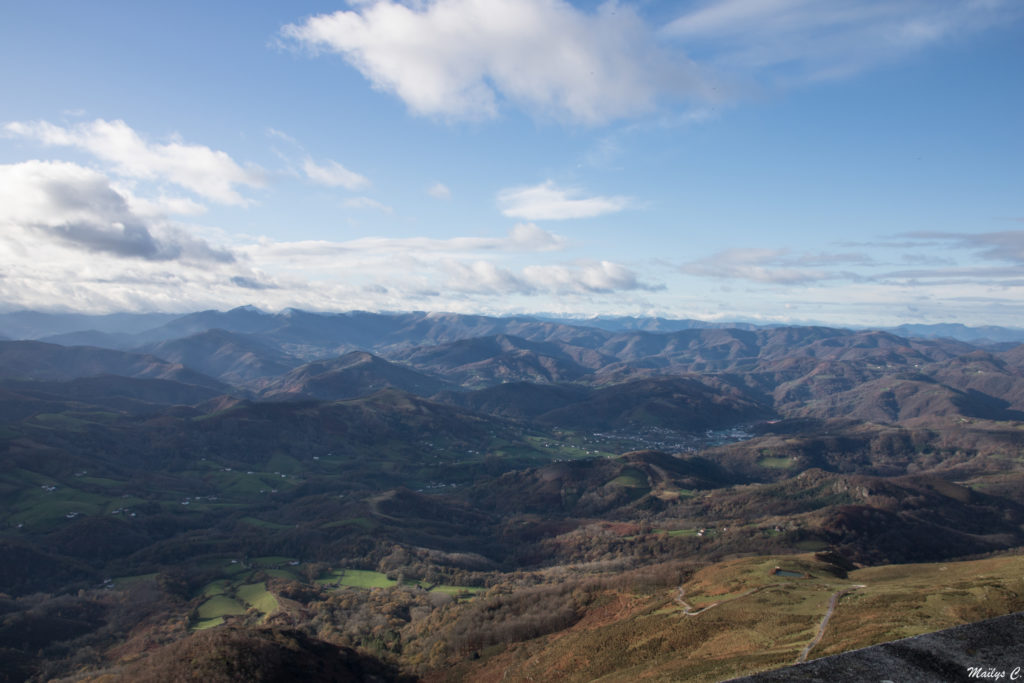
{"x":237,"y":466}
{"x":790,"y":371}
{"x":141,"y":327}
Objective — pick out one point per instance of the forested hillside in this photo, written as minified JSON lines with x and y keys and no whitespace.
{"x":440,"y":496}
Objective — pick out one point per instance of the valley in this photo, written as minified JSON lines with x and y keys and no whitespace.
{"x":444,"y":497}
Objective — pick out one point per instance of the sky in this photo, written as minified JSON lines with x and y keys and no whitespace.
{"x":843,"y":162}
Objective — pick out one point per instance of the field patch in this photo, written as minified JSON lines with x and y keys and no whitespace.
{"x":457,"y":590}
{"x":361,"y":578}
{"x":776,"y":462}
{"x":220,"y":606}
{"x":218,"y":587}
{"x":252,"y":521}
{"x":204,"y":624}
{"x":257,"y":596}
{"x":283,"y":574}
{"x":272,"y":561}
{"x":631,"y":478}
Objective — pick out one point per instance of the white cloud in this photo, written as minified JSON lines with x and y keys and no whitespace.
{"x":77,"y":238}
{"x":160,"y":206}
{"x":1007,"y":245}
{"x":482,"y":277}
{"x":439,"y":191}
{"x":801,"y":40}
{"x":366,"y":203}
{"x":940,"y":259}
{"x":466,"y":58}
{"x":209,"y":173}
{"x":934,"y":262}
{"x":64,"y":206}
{"x":776,"y":266}
{"x":524,"y":237}
{"x":459,"y":58}
{"x":529,"y":237}
{"x":481,"y":273}
{"x":549,"y":202}
{"x":486,"y":277}
{"x":281,"y":135}
{"x":603,"y":276}
{"x":333,"y":174}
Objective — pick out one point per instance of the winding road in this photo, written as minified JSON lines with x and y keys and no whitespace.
{"x":689,"y":611}
{"x":832,"y":602}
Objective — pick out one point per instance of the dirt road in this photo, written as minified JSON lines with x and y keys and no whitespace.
{"x":690,"y":611}
{"x":832,"y":602}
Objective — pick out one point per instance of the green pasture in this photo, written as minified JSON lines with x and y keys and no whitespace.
{"x":218,"y":587}
{"x":283,"y":574}
{"x":263,"y":524}
{"x":62,"y":421}
{"x":41,"y":510}
{"x":271,"y":561}
{"x":776,"y":462}
{"x":567,"y":446}
{"x":204,"y":624}
{"x":220,"y":606}
{"x":284,"y":464}
{"x":225,"y":597}
{"x":361,"y":578}
{"x":257,"y":596}
{"x":359,"y":522}
{"x":103,"y":482}
{"x":630,"y":478}
{"x":126,"y":581}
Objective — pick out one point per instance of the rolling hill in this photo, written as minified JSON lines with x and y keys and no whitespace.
{"x":356,"y":373}
{"x":31,"y":360}
{"x":465,"y":495}
{"x":234,"y":358}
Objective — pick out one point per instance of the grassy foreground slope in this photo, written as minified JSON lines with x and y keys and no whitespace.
{"x":742,"y":616}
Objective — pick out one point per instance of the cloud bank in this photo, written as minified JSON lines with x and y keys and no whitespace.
{"x":78,"y":207}
{"x":550,"y":202}
{"x":71,"y":237}
{"x":461,"y":58}
{"x":807,"y":40}
{"x":916,"y":260}
{"x":333,"y":174}
{"x":209,"y":173}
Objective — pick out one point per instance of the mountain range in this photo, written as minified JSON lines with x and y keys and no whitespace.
{"x":137,"y":328}
{"x":256,"y":470}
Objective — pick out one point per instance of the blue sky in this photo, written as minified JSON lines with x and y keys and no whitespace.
{"x":842,"y":162}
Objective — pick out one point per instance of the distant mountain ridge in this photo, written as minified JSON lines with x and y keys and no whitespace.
{"x":807,"y":372}
{"x":356,"y":373}
{"x":983,"y":334}
{"x":362,"y":329}
{"x":234,"y":357}
{"x":36,"y":324}
{"x":31,"y":360}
